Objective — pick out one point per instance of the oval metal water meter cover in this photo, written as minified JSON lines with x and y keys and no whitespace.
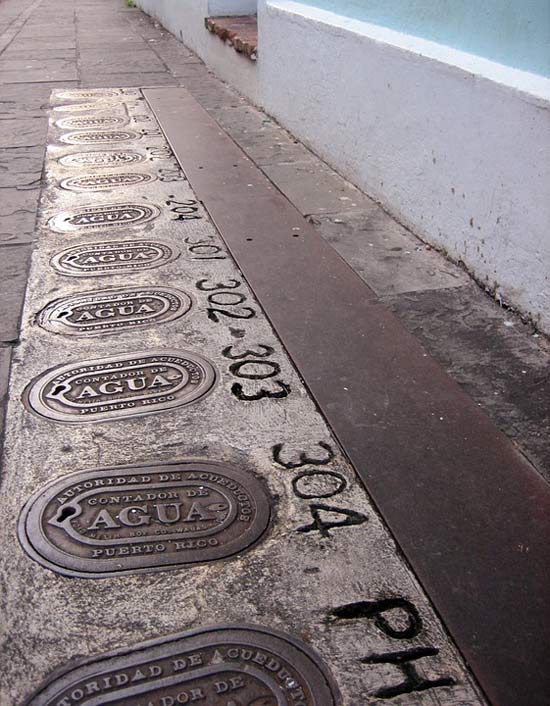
{"x":81,"y":107}
{"x":105,"y":182}
{"x":95,"y":137}
{"x":116,"y":215}
{"x":130,"y":385}
{"x":115,"y":257}
{"x":87,"y":95}
{"x":119,"y":158}
{"x":88,"y":123}
{"x":107,"y":522}
{"x":94,"y":313}
{"x":225,"y":665}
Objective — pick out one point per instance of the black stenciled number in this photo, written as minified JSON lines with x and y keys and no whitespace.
{"x":339,"y":487}
{"x":244,"y":312}
{"x":151,"y":132}
{"x":304,"y":458}
{"x":221,"y":298}
{"x":265,"y":353}
{"x":282,"y":392}
{"x":351,"y":517}
{"x":173,"y":174}
{"x":270,"y":369}
{"x":226,"y":298}
{"x":184,"y":210}
{"x":202,"y":285}
{"x":249,"y":367}
{"x":205,"y":249}
{"x":200,"y":241}
{"x":159,"y":152}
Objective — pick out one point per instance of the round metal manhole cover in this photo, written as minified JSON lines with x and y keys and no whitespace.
{"x":120,"y":158}
{"x":120,"y":386}
{"x":113,"y":310}
{"x":91,"y":123}
{"x":105,"y":182}
{"x":116,"y":215}
{"x":98,"y":137}
{"x":221,"y":665}
{"x":106,"y":522}
{"x":116,"y":257}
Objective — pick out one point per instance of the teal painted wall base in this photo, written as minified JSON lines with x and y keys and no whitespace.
{"x":512,"y":32}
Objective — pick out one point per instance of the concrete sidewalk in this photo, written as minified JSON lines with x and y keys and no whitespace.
{"x":499,"y":361}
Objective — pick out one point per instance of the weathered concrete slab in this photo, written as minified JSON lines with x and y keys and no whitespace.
{"x":315,"y":189}
{"x":37,"y":71}
{"x":327,"y":572}
{"x":114,"y":61}
{"x":18,"y":100}
{"x":14,"y":265}
{"x":5,"y":359}
{"x":501,"y":362}
{"x":387,"y":256}
{"x":21,"y":167}
{"x":108,"y":38}
{"x":22,"y":132}
{"x":17,"y":216}
{"x":19,"y":53}
{"x":263,"y":141}
{"x":43,"y":42}
{"x":88,"y":78}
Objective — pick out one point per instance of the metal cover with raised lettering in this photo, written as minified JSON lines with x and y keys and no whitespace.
{"x":90,"y":123}
{"x":107,"y":522}
{"x":113,"y":215}
{"x":221,"y":665}
{"x":82,"y":107}
{"x":120,"y":158}
{"x":117,"y":257}
{"x":112,"y":310}
{"x":118,"y":386}
{"x":87,"y":95}
{"x":105,"y":182}
{"x":96,"y":137}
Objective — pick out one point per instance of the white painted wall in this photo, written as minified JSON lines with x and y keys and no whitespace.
{"x":512,"y":32}
{"x":232,"y":7}
{"x":455,"y":146}
{"x":185,"y":19}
